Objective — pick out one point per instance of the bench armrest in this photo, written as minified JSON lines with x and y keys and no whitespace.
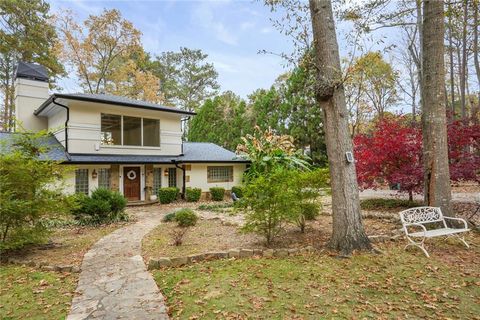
{"x":405,"y":227}
{"x":458,"y":219}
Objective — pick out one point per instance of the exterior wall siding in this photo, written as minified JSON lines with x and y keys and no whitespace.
{"x":198,"y":176}
{"x":85,"y":127}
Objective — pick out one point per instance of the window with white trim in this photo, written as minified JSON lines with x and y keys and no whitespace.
{"x":220,"y":174}
{"x":81,"y":181}
{"x":157,"y":179}
{"x":104,"y":178}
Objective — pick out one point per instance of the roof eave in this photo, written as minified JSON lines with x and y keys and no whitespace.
{"x":68,"y":97}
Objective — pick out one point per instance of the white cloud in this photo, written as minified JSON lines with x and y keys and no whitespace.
{"x":247,"y":25}
{"x":204,"y":15}
{"x":266,"y":30}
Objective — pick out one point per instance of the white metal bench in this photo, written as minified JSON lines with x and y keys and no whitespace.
{"x":420,"y":217}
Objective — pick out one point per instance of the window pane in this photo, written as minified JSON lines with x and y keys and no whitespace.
{"x":151,"y":132}
{"x":172,"y":177}
{"x":81,"y":181}
{"x":132,"y":135}
{"x":111,"y":129}
{"x":220,"y":174}
{"x":157,"y":179}
{"x":104,"y":178}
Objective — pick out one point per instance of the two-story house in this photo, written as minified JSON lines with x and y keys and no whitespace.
{"x":131,"y":146}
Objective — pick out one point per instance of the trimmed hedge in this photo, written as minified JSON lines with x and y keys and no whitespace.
{"x":238,"y":191}
{"x":167,"y":195}
{"x":186,"y":217}
{"x":217,"y":193}
{"x":193,"y":194}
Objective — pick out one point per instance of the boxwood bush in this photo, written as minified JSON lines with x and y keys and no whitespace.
{"x":186,"y":217}
{"x":238,"y":191}
{"x":193,"y":194}
{"x":167,"y":195}
{"x":217,"y":193}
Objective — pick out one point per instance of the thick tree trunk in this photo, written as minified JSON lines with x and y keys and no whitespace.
{"x":348,"y":232}
{"x":437,"y":188}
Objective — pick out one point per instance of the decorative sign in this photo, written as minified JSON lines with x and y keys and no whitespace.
{"x":131,"y":175}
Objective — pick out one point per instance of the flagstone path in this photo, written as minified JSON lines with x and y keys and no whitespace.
{"x":114,"y":282}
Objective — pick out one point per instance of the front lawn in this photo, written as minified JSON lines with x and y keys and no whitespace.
{"x":27,"y":293}
{"x":31,"y":293}
{"x":394,"y":285}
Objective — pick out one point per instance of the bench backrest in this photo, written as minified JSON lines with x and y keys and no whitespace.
{"x":421,"y":215}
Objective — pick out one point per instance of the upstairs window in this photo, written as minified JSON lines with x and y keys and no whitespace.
{"x":151,"y":133}
{"x":129,"y":131}
{"x":111,"y":129}
{"x":132,"y":131}
{"x":220,"y":174}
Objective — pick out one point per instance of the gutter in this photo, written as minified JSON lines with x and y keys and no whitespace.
{"x":184,"y":177}
{"x":66,"y":121}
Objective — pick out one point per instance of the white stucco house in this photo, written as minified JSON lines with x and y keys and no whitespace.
{"x":134,"y":147}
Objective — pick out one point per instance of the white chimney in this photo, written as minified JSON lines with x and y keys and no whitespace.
{"x":31,"y":90}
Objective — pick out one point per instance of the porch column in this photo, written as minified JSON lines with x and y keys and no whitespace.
{"x":148,"y":181}
{"x":114,"y":177}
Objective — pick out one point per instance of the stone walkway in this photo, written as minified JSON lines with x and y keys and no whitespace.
{"x":114,"y":282}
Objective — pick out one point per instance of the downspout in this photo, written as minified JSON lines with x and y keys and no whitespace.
{"x":184,"y":178}
{"x":66,"y":122}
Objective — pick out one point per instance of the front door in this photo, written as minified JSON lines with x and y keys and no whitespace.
{"x":131,"y":183}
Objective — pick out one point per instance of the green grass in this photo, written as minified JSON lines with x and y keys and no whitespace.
{"x":394,"y":285}
{"x":388,"y":204}
{"x":26,"y":293}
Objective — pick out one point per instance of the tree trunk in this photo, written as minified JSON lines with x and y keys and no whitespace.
{"x":437,"y":189}
{"x":452,"y":71}
{"x":463,"y":65}
{"x":348,"y":232}
{"x":476,"y":62}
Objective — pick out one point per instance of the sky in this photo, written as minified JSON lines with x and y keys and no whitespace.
{"x":230,"y":32}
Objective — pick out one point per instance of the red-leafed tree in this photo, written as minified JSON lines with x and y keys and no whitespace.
{"x":464,"y":150}
{"x":392,"y":154}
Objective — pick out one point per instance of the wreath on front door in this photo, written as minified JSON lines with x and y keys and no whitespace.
{"x":131,"y":175}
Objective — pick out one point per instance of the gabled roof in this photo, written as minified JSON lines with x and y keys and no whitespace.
{"x":55,"y":151}
{"x":110,"y":99}
{"x":31,"y":71}
{"x":193,"y":152}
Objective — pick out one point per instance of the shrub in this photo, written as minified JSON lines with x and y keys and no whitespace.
{"x":169,"y":217}
{"x":272,"y":202}
{"x":104,"y":206}
{"x":193,"y":194}
{"x":217,"y":193}
{"x":238,"y":191}
{"x":310,"y":210}
{"x":385,"y":204}
{"x":177,"y":235}
{"x":167,"y":195}
{"x":186,"y":217}
{"x":29,"y":190}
